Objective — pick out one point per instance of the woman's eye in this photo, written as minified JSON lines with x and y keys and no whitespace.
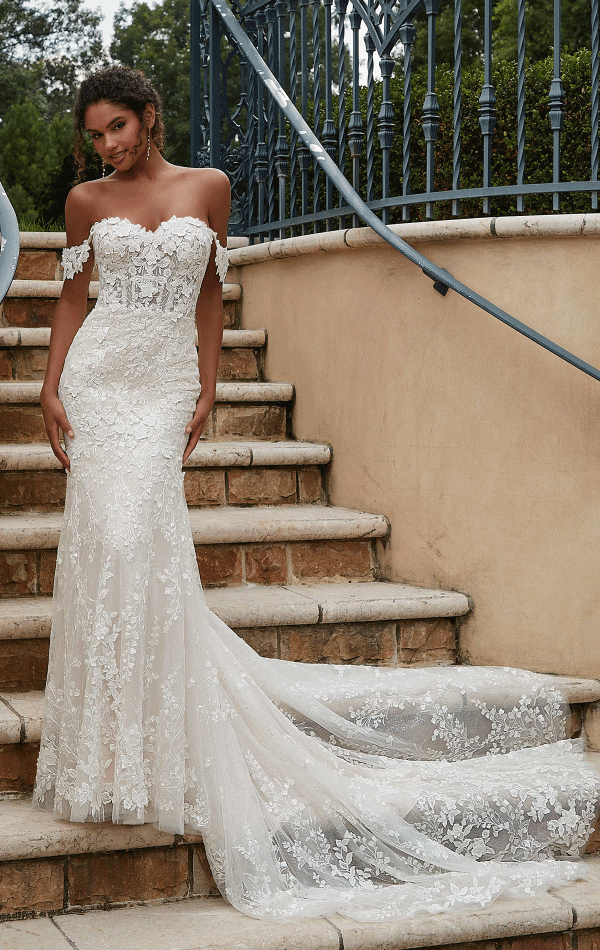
{"x":119,"y":125}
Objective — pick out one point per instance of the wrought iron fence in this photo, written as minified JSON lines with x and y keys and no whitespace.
{"x":257,"y":76}
{"x":337,"y":61}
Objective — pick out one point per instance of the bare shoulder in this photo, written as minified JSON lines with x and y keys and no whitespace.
{"x":206,"y":177}
{"x":206,"y":182}
{"x":79,"y":211}
{"x":211,"y":193}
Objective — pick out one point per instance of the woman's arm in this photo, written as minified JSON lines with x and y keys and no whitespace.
{"x":69,"y":315}
{"x":209,"y":311}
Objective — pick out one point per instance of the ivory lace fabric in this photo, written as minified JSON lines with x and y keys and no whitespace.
{"x":376,"y":793}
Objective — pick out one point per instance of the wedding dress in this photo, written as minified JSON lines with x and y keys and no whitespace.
{"x":376,"y":793}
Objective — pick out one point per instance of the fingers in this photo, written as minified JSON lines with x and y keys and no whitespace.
{"x":57,"y":421}
{"x":194,"y":429}
{"x":65,"y":424}
{"x":61,"y":455}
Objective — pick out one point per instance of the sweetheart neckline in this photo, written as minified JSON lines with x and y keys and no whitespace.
{"x":134,"y":224}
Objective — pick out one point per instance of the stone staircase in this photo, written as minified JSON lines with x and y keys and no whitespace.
{"x":296,"y":577}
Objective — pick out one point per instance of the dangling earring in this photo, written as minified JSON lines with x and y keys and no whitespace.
{"x":103,"y":169}
{"x":148,"y":152}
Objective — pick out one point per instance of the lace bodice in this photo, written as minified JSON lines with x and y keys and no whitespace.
{"x":149,"y":269}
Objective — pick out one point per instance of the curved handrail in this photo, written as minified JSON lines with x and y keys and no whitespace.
{"x":9,"y":243}
{"x":443,"y":280}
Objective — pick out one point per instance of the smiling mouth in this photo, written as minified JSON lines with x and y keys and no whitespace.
{"x":114,"y":158}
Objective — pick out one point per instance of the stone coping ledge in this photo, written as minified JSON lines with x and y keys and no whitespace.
{"x":22,"y":456}
{"x":56,"y":240}
{"x":28,"y":618}
{"x":26,"y":832}
{"x":258,"y":525}
{"x":40,"y":337}
{"x":52,"y":289}
{"x":26,"y":392}
{"x":211,"y":924}
{"x":524,"y":226}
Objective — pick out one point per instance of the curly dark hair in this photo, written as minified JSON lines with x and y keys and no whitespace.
{"x":123,"y":86}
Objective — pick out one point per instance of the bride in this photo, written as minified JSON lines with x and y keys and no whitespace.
{"x":317,"y":789}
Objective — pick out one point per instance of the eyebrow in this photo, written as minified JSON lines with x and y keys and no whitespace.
{"x":112,"y":122}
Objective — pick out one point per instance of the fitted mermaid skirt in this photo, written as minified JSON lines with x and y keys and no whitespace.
{"x":318,"y":789}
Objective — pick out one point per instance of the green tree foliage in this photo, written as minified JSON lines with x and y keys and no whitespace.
{"x":471,"y":37}
{"x":32,"y":153}
{"x":156,"y":39}
{"x":44,"y":48}
{"x":539,"y":30}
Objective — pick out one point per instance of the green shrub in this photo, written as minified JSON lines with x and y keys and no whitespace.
{"x":575,"y":137}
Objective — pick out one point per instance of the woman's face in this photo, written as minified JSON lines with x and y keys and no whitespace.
{"x":117,"y":133}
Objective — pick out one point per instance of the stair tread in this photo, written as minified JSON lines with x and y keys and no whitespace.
{"x":26,"y":832}
{"x":212,"y":924}
{"x":40,"y":337}
{"x":266,"y":606}
{"x":52,"y":288}
{"x":222,"y":526}
{"x":20,"y":456}
{"x":21,"y":713}
{"x":16,"y":391}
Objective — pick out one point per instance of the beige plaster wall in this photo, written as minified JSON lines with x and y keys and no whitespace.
{"x":481,"y":448}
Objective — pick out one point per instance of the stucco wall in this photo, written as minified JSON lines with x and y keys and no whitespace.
{"x":481,"y":448}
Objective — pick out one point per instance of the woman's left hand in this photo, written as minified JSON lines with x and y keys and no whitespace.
{"x":196,"y":425}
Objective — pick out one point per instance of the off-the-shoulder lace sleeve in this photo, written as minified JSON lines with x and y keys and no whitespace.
{"x":73,"y":258}
{"x":221,"y":260}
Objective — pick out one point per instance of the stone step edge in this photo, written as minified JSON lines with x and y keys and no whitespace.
{"x":26,"y":289}
{"x":27,"y":618}
{"x":228,"y":525}
{"x":21,"y":715}
{"x":27,"y":833}
{"x":32,"y":456}
{"x":16,"y":392}
{"x":552,"y":920}
{"x":40,"y":337}
{"x":56,"y":240}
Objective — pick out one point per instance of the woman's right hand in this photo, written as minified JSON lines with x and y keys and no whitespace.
{"x":55,"y":419}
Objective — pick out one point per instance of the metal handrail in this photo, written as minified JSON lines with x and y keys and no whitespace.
{"x":442,"y":279}
{"x":9,"y":243}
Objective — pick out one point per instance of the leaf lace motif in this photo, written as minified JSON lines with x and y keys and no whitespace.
{"x":73,"y":259}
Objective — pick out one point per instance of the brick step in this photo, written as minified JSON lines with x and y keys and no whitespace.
{"x":568,"y":918}
{"x":264,"y":545}
{"x":374,"y":623}
{"x":31,"y":303}
{"x":217,"y":473}
{"x":241,"y":411}
{"x":24,"y":353}
{"x":51,"y":866}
